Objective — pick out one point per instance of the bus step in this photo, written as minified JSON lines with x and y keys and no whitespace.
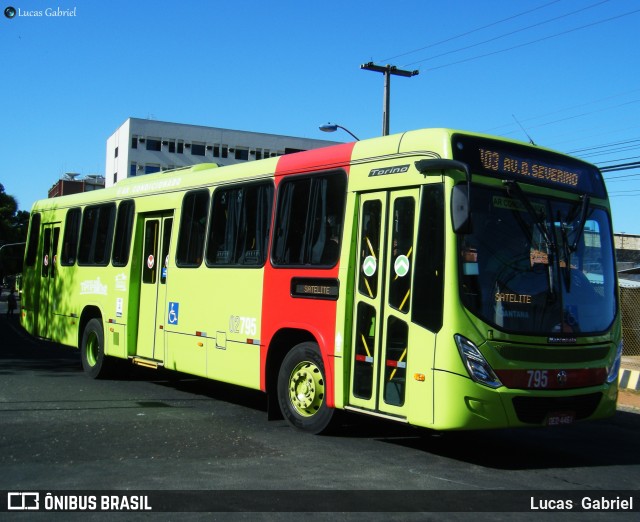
{"x":376,"y":414}
{"x":147,"y":363}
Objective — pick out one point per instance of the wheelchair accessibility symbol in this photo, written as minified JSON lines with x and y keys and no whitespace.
{"x":173,"y":313}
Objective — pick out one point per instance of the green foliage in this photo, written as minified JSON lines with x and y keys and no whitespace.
{"x":13,"y":229}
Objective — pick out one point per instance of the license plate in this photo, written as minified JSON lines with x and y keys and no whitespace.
{"x":560,"y":418}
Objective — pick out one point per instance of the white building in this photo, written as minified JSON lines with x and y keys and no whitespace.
{"x":141,"y":147}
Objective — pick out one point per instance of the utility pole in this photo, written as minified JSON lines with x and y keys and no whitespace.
{"x":387,"y":70}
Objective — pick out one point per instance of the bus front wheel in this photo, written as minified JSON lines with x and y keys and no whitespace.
{"x":301,"y":389}
{"x":94,"y":361}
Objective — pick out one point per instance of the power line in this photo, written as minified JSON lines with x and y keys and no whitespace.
{"x":594,"y":133}
{"x":615,"y":179}
{"x":510,"y":33}
{"x":617,"y":159}
{"x":621,"y":166}
{"x":469,"y":32}
{"x":573,"y":117}
{"x":614,"y":144}
{"x":532,"y":41}
{"x":612,"y":151}
{"x":564,"y":109}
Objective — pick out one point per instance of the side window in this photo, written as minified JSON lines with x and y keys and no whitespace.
{"x":239,"y":229}
{"x":122,"y":239}
{"x":71,"y":236}
{"x":96,"y":234}
{"x":32,"y":244}
{"x":428,"y":280}
{"x":309,"y":220}
{"x":164,"y":256}
{"x":193,"y":221}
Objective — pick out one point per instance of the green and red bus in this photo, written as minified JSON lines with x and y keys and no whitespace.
{"x":444,"y":279}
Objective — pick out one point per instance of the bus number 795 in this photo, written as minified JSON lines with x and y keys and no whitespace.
{"x":243,"y":325}
{"x":538,"y":378}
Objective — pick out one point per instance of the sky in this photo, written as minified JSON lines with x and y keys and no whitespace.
{"x":565,"y":73}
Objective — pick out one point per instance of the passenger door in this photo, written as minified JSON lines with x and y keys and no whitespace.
{"x":153,"y":286}
{"x":381,"y":352}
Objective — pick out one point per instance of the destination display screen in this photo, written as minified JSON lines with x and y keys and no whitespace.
{"x":527,"y":164}
{"x":316,"y":288}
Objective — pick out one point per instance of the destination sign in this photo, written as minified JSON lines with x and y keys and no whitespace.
{"x":498,"y":161}
{"x":318,"y":288}
{"x":527,"y":164}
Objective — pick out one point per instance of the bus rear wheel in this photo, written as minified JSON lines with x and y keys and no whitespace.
{"x":94,"y":362}
{"x":301,"y":389}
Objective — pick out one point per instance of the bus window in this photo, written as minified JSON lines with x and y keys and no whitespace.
{"x":122,"y":239}
{"x":395,"y":368}
{"x":240,"y":219}
{"x":370,"y":250}
{"x":164,"y":256}
{"x":49,"y":251}
{"x":192,"y":229}
{"x":402,"y":241}
{"x":34,"y":236}
{"x":46,"y":249}
{"x":96,"y":234}
{"x":150,"y":252}
{"x":71,"y":235}
{"x":428,"y":280}
{"x":364,"y":346}
{"x":54,"y":252}
{"x":309,"y":220}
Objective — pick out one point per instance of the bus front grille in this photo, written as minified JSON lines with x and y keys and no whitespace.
{"x":534,"y":410}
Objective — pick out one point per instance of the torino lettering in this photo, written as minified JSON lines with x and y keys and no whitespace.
{"x":399,"y":169}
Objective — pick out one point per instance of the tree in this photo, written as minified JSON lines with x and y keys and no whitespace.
{"x":13,"y":229}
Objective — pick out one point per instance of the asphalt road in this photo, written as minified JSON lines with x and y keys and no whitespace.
{"x":156,"y":430}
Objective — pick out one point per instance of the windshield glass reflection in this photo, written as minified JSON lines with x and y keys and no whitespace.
{"x":534,"y":265}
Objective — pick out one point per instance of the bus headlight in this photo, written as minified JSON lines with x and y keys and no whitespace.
{"x":477,"y":366}
{"x":615,"y":367}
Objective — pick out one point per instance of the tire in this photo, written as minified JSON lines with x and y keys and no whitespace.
{"x":301,"y":389}
{"x":94,"y":362}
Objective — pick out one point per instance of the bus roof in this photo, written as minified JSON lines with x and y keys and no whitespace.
{"x":429,"y":143}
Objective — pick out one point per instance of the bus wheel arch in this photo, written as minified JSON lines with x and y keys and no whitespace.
{"x":301,"y":386}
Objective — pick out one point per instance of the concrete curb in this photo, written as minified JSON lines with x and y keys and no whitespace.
{"x":629,"y":379}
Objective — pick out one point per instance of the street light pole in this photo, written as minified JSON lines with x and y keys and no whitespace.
{"x":387,"y":70}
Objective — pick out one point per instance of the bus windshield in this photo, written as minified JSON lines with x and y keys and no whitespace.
{"x":535,"y":265}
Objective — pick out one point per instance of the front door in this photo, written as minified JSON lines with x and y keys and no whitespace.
{"x":48,"y":275}
{"x":153,"y":286}
{"x":382,"y":301}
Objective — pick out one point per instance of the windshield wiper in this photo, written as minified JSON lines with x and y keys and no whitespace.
{"x":515,"y":191}
{"x":583,"y":218}
{"x":570,"y":249}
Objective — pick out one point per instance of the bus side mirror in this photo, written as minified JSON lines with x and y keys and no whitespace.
{"x":460,"y":210}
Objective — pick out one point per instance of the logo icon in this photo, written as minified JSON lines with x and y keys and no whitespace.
{"x":23,"y":501}
{"x":562,"y":377}
{"x":369,"y":266}
{"x":401,"y":265}
{"x":10,"y":12}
